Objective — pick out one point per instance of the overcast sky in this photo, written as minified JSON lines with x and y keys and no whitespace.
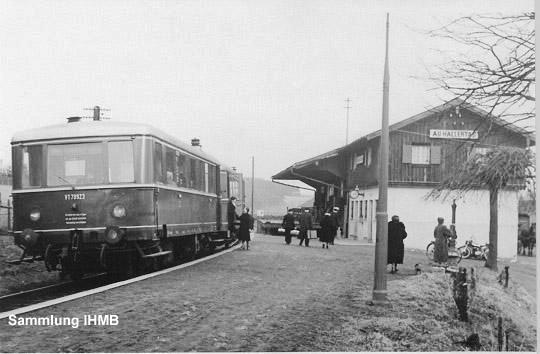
{"x":249,"y":78}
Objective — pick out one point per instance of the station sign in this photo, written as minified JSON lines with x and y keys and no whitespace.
{"x":453,"y":134}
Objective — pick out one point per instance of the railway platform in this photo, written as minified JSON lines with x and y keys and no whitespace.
{"x":273,"y":297}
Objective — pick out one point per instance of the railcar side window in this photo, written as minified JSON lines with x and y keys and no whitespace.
{"x":158,"y":164}
{"x":193,"y":173}
{"x":121,"y":162}
{"x":234,"y":186}
{"x":181,"y":179}
{"x":32,"y":166}
{"x":75,"y":164}
{"x":200,"y":176}
{"x":170,"y":165}
{"x":223,"y":184}
{"x":211,"y":179}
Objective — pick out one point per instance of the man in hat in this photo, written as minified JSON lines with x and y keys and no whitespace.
{"x":288,"y":225}
{"x":231,"y":215}
{"x":305,"y":226}
{"x":441,"y":234}
{"x":335,"y":216}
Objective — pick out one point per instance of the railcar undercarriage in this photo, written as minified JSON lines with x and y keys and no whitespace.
{"x":124,"y":259}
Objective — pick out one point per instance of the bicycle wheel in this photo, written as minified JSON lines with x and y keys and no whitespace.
{"x":464,"y":251}
{"x":430,"y":250}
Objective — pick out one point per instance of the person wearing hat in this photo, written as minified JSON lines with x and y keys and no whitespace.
{"x":327,"y":228}
{"x":335,"y":216}
{"x":305,"y":225}
{"x":232,"y":216}
{"x":246,"y":225}
{"x":288,"y":225}
{"x":441,"y":234}
{"x":396,"y":235}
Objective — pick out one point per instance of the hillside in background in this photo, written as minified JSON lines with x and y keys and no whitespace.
{"x":273,"y":198}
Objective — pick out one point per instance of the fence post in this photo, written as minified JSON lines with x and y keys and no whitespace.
{"x":461,"y":293}
{"x":499,"y":334}
{"x":506,"y":276}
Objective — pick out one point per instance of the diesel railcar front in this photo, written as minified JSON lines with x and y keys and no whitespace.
{"x":97,"y":195}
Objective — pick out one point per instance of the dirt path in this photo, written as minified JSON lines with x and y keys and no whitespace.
{"x":271,"y":298}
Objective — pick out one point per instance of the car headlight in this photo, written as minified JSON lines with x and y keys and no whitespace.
{"x":119,"y":211}
{"x":35,"y":214}
{"x":113,"y":235}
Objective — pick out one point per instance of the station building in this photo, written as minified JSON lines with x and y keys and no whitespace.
{"x":423,"y":150}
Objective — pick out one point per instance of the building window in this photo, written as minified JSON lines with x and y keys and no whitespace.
{"x":359,"y":160}
{"x":420,"y":154}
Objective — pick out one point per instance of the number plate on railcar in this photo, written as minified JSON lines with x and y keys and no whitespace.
{"x":75,"y":196}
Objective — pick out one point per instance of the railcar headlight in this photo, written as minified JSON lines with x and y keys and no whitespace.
{"x":29,"y":237}
{"x":113,"y":235}
{"x":35,"y":214}
{"x":119,"y":211}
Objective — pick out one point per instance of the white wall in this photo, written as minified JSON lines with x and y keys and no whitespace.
{"x":420,"y":217}
{"x":472,"y":217}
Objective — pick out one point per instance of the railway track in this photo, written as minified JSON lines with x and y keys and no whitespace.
{"x":35,"y":299}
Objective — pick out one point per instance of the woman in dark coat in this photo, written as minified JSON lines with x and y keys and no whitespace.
{"x":246,"y":224}
{"x":327,"y":229}
{"x":396,"y":235}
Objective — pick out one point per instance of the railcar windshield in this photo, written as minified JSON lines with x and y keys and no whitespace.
{"x":73,"y":164}
{"x":86,"y":163}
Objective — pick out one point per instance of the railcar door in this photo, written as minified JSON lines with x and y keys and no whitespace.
{"x":224,"y":195}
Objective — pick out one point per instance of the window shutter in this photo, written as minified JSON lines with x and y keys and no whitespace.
{"x":435,"y":154}
{"x":407,"y":153}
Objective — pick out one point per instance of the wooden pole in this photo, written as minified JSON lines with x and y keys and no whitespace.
{"x":493,"y":232}
{"x":381,"y":243}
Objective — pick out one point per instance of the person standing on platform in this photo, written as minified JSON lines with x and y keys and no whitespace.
{"x":327,"y":229}
{"x":246,"y":226}
{"x":335,"y":216}
{"x":396,"y":235}
{"x":231,"y":215}
{"x":288,"y":225}
{"x":305,"y":226}
{"x":441,"y":234}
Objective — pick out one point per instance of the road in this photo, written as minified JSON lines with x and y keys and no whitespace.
{"x":272,"y":297}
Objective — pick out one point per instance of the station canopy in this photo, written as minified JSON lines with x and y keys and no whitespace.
{"x":322,"y":170}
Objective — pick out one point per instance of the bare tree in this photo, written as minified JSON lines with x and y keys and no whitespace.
{"x":499,"y":168}
{"x":495,"y":68}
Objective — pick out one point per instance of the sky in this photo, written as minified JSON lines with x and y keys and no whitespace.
{"x":258,"y":78}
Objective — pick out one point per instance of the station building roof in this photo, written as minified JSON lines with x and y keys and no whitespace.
{"x":315,"y":169}
{"x":102,"y":128}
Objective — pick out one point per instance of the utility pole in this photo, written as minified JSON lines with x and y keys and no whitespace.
{"x":381,"y":243}
{"x":252,"y":182}
{"x":347,"y":129}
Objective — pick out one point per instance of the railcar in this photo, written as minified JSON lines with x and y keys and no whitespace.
{"x":121,"y":197}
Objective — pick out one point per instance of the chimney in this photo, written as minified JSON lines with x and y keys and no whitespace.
{"x":97,"y":113}
{"x":196,"y":142}
{"x":74,"y":119}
